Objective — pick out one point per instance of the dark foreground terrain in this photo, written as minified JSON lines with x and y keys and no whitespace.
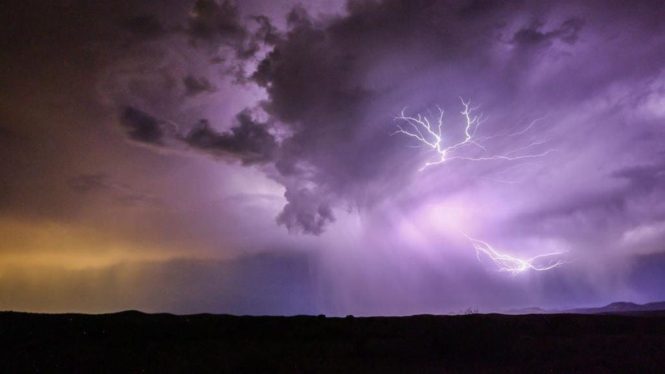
{"x":137,"y":342}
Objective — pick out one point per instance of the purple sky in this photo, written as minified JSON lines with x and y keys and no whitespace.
{"x":209,"y":156}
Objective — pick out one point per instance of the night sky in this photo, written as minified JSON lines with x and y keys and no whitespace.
{"x":244,"y":157}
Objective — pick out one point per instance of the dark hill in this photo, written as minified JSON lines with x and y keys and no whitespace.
{"x":157,"y":343}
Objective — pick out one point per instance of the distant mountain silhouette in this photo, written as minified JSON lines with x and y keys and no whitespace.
{"x":620,"y":307}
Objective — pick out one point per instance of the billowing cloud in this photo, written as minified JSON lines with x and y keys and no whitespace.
{"x":305,"y":212}
{"x":334,"y":85}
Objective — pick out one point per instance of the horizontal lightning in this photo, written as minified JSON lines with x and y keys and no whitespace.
{"x":516,"y":265}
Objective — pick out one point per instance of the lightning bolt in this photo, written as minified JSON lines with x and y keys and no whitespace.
{"x":429,"y":133}
{"x":515,"y":265}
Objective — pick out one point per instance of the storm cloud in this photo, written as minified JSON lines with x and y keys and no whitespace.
{"x":253,"y":126}
{"x":328,"y":79}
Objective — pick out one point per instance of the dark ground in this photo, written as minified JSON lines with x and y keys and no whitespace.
{"x":137,"y":342}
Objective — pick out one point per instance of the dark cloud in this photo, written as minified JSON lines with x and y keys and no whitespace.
{"x":316,"y":79}
{"x":195,"y":86}
{"x":533,"y":36}
{"x":214,"y":24}
{"x":142,"y":127}
{"x":216,"y":21}
{"x":327,"y":79}
{"x":248,"y":141}
{"x":266,"y":32}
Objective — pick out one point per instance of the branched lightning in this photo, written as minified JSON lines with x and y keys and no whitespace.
{"x":431,"y":135}
{"x":429,"y":132}
{"x":515,"y":265}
